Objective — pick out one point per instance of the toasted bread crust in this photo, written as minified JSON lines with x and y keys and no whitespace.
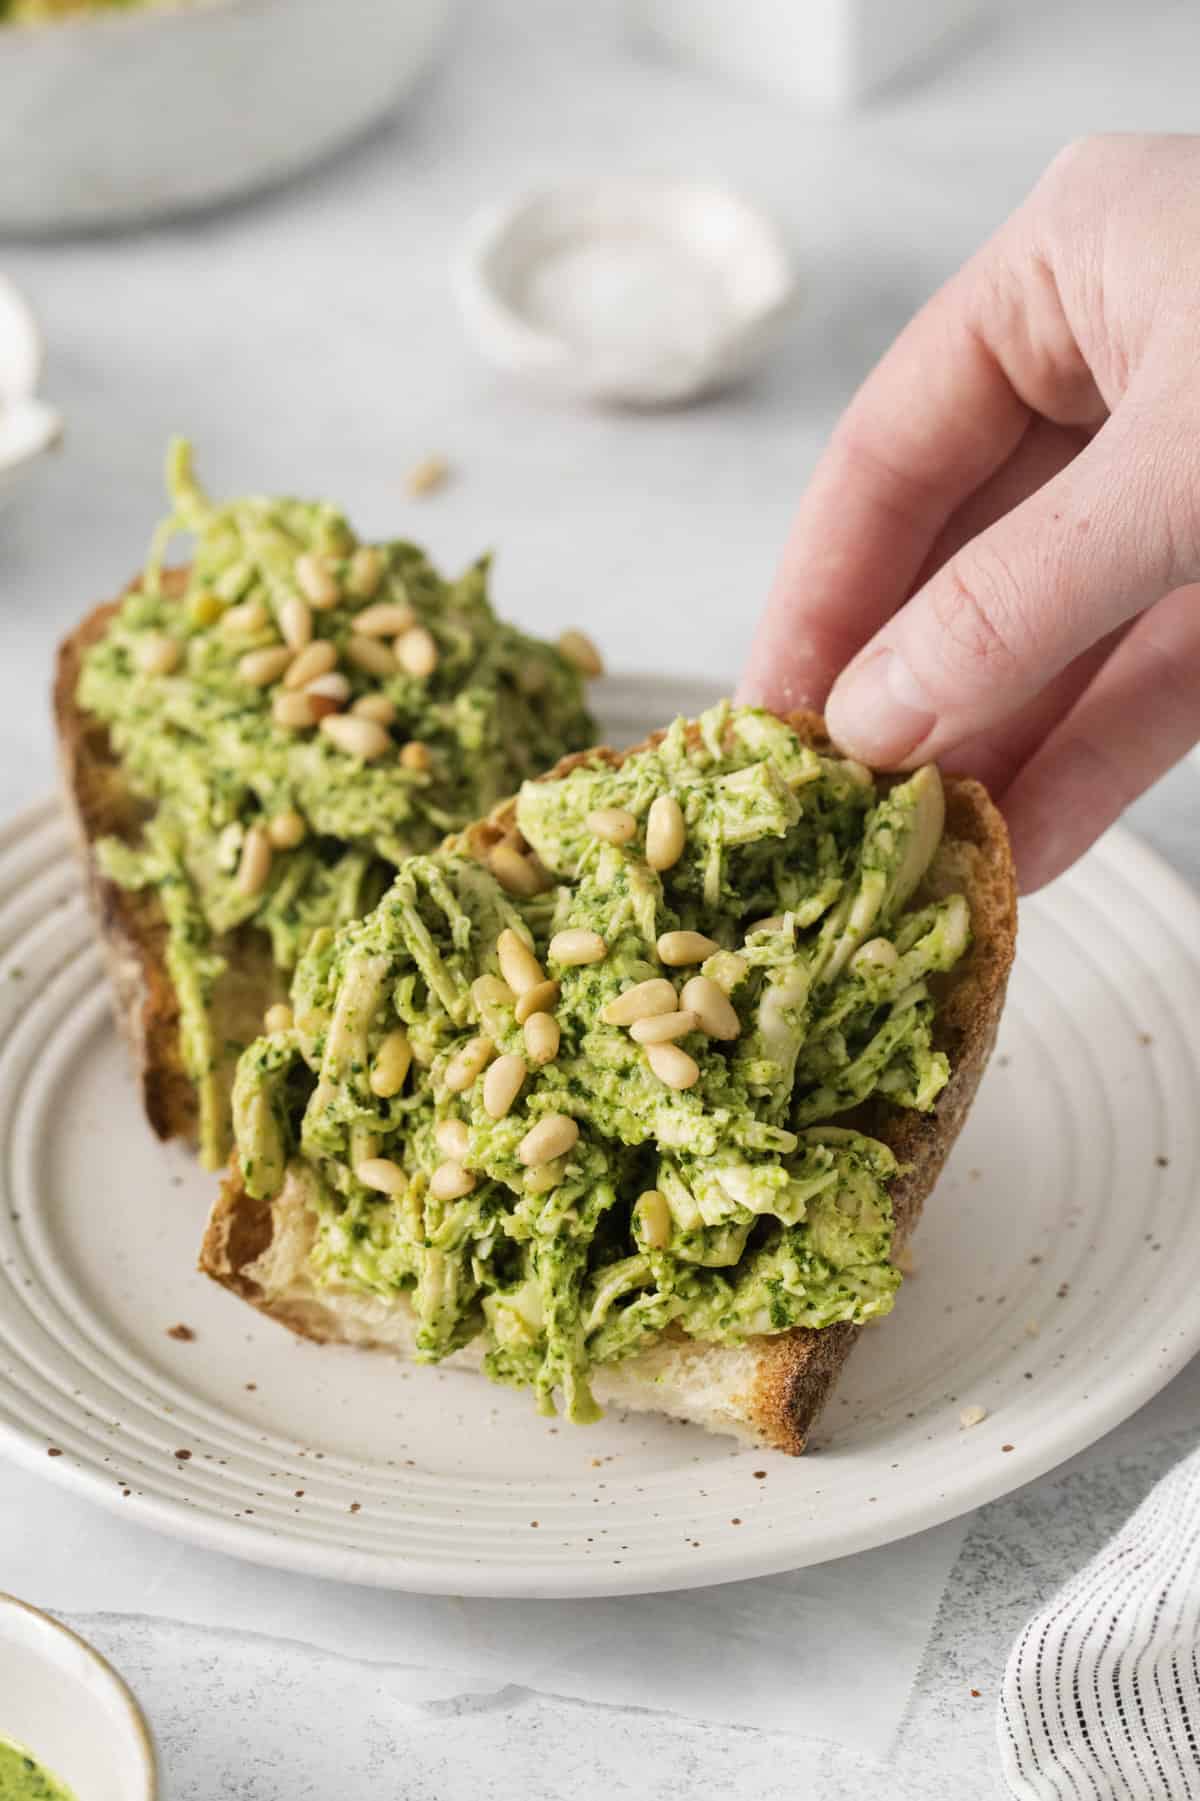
{"x":793,"y":1372}
{"x":133,"y":931}
{"x":131,"y":924}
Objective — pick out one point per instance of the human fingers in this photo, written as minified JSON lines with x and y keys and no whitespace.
{"x":1138,"y":717}
{"x":1114,"y":531}
{"x":944,"y":409}
{"x":996,"y":757}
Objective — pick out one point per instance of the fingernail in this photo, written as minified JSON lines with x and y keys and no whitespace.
{"x":879,"y":710}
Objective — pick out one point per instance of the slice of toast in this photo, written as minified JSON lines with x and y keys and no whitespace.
{"x":771,"y":1389}
{"x":133,"y":930}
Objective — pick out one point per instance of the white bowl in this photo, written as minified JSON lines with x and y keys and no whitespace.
{"x":28,"y":428}
{"x":114,"y":116}
{"x":60,"y":1701}
{"x":632,"y":292}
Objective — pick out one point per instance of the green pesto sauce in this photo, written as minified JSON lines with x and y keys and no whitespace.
{"x":22,"y":1778}
{"x":200,"y":742}
{"x":777,"y":1194}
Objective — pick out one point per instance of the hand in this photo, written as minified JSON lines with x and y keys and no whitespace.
{"x":991,"y":564}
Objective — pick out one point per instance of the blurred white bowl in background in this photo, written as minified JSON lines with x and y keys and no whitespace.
{"x":630,"y":292}
{"x":60,"y":1701}
{"x":115,"y":116}
{"x":28,"y":428}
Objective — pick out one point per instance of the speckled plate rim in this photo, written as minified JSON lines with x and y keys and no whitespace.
{"x":1046,"y":1438}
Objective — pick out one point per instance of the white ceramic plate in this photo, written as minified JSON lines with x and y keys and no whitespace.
{"x":62,"y":1702}
{"x":1058,"y":1267}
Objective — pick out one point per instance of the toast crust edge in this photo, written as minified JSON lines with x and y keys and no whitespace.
{"x":131,"y":926}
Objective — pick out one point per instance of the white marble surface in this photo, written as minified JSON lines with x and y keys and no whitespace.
{"x":306,"y":340}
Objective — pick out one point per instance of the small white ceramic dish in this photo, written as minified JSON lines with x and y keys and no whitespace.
{"x":630,"y":292}
{"x":61,"y":1702}
{"x":115,"y":116}
{"x":28,"y":428}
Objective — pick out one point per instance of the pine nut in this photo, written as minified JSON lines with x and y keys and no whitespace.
{"x":666,"y":832}
{"x":278,"y":1018}
{"x":158,"y":655}
{"x":243,"y":621}
{"x":450,"y":1182}
{"x":672,"y":1065}
{"x":537,"y":1000}
{"x":552,"y":1137}
{"x":468,"y":1064}
{"x":613,"y":824}
{"x":287,"y":829}
{"x":415,"y":756}
{"x":315,"y":581}
{"x":490,"y":991}
{"x":575,"y":946}
{"x":365,"y":572}
{"x":774,"y":922}
{"x":296,"y":622}
{"x":542,"y":1038}
{"x":641,"y":1001}
{"x":387,"y":619}
{"x":356,"y":737}
{"x":377,"y":707}
{"x":518,"y":965}
{"x":334,"y":687}
{"x":262,"y":667}
{"x":233,"y":581}
{"x":371,"y":656}
{"x":205,"y":608}
{"x":314,"y":660}
{"x":678,"y":948}
{"x":532,"y":679}
{"x":391,"y":1065}
{"x":416,"y":651}
{"x":254,"y":865}
{"x":295,"y":712}
{"x":544,"y":1178}
{"x":578,"y":648}
{"x":427,"y":475}
{"x":514,"y":872}
{"x":503,"y":1083}
{"x":877,"y":953}
{"x":381,"y":1173}
{"x":715,"y":1012}
{"x":660,"y":1028}
{"x":450,"y":1136}
{"x":654,"y":1219}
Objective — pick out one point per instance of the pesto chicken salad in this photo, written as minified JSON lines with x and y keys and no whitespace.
{"x":592,"y":1079}
{"x":301,"y":711}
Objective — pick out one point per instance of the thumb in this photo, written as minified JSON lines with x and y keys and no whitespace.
{"x":1111,"y":534}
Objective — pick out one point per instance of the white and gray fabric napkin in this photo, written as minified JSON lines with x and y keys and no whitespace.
{"x":1101,"y":1697}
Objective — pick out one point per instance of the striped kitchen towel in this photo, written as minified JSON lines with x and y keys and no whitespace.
{"x":1101,"y":1697}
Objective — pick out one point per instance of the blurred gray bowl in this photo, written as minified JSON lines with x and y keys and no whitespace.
{"x":115,"y":117}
